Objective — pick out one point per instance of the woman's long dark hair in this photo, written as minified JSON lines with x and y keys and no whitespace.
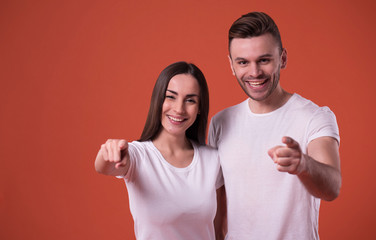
{"x":196,"y":132}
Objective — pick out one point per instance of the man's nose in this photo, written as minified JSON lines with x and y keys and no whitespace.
{"x":254,"y":70}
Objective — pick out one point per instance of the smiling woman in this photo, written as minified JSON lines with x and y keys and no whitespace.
{"x":171,"y":176}
{"x":197,"y":131}
{"x":180,"y":108}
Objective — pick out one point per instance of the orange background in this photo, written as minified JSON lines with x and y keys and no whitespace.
{"x":74,"y":73}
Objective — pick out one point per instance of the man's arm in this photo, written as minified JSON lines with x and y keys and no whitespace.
{"x":319,"y":169}
{"x":220,"y":221}
{"x":322,"y":174}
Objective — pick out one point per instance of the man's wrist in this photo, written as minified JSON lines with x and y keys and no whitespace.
{"x":302,"y":168}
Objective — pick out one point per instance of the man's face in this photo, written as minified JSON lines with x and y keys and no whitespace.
{"x":256,"y":63}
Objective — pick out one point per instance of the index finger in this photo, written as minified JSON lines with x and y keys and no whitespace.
{"x":290,"y":142}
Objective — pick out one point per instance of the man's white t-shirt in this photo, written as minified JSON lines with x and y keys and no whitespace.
{"x":262,"y":202}
{"x":167,"y":202}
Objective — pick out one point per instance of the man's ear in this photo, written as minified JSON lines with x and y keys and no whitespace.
{"x":284,"y":58}
{"x":232,"y":68}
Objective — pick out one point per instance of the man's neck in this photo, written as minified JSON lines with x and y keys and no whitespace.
{"x":276,"y":100}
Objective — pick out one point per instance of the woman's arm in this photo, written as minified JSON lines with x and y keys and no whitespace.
{"x":113,"y":158}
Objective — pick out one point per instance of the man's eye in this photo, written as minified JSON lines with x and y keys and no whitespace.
{"x":263,"y":61}
{"x":242,"y":62}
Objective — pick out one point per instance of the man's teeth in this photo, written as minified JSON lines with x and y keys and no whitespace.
{"x":256,"y":84}
{"x":176,"y":119}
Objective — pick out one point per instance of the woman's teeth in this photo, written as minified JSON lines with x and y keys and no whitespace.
{"x":176,"y":119}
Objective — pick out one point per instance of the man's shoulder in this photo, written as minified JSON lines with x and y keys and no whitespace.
{"x":230,"y":111}
{"x":307,"y":109}
{"x":303,"y":104}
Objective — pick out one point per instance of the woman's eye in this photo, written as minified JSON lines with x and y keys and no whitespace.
{"x":170,"y":97}
{"x":191,"y":100}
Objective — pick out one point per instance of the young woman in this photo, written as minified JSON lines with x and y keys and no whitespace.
{"x":170,"y":174}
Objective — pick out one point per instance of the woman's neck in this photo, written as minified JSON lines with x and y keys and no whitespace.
{"x":170,"y":143}
{"x":178,"y":151}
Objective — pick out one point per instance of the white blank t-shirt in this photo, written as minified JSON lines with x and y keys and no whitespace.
{"x":167,"y":202}
{"x":262,"y":202}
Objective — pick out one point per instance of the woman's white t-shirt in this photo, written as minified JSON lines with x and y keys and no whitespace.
{"x":167,"y":202}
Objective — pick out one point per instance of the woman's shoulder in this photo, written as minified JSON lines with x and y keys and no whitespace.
{"x":139,"y":146}
{"x":206,"y":149}
{"x":208,"y":156}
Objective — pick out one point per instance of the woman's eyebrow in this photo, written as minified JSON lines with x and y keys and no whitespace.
{"x":173,"y":92}
{"x":188,"y":95}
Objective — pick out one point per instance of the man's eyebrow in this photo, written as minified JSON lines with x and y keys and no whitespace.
{"x":266,"y":55}
{"x":188,"y":95}
{"x":261,"y":56}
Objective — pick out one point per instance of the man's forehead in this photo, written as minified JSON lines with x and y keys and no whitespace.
{"x":253,"y":47}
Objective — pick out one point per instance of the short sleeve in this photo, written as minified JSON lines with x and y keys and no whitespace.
{"x":220,"y":181}
{"x":323,"y":124}
{"x":212,"y":136}
{"x":135,"y":151}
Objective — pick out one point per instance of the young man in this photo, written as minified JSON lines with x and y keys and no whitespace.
{"x":279,"y":152}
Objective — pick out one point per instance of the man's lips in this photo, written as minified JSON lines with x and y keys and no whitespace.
{"x":256,"y":83}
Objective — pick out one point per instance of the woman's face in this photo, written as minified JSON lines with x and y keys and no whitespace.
{"x":181,"y":104}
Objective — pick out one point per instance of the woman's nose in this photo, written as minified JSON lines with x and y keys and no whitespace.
{"x":179,"y":107}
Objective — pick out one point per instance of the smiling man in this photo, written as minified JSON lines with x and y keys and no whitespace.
{"x":279,"y":151}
